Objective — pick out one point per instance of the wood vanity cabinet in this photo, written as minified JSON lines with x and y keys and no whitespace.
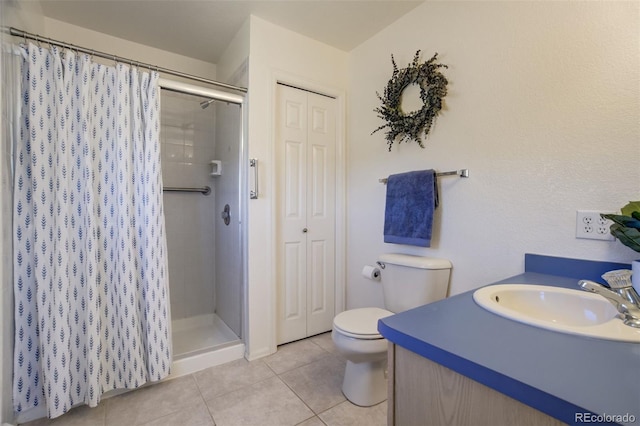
{"x":423,"y":393}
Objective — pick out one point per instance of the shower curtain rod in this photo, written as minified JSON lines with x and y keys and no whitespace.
{"x":26,"y":35}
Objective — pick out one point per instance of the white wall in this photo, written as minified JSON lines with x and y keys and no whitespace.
{"x":276,"y":53}
{"x":543,"y":109}
{"x":232,"y":66}
{"x":127,"y":49}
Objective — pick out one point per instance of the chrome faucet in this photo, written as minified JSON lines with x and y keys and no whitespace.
{"x":621,"y":294}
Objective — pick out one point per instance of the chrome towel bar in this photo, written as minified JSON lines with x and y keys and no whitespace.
{"x":206,"y":190}
{"x":463,"y":173}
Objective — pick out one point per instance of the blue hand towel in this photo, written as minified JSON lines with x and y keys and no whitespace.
{"x":411,"y":200}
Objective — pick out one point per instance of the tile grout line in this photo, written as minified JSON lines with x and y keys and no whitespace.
{"x":202,"y":398}
{"x":324,"y":354}
{"x":316,"y":415}
{"x":308,"y":339}
{"x":328,"y":354}
{"x":298,"y":396}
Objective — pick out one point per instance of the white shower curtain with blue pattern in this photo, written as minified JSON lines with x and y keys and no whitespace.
{"x":90,"y":278}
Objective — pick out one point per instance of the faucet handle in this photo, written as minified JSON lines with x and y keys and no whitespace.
{"x":620,"y":278}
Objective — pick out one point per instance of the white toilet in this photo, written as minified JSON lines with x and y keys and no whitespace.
{"x":407,"y":282}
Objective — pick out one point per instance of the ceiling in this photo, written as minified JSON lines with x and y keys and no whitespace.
{"x":202,"y":29}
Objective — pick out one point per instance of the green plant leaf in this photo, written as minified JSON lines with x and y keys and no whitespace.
{"x":633,"y":206}
{"x":630,"y":237}
{"x":624,"y":221}
{"x":626,"y":226}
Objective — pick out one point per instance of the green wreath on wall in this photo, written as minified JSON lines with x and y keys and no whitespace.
{"x":409,"y":126}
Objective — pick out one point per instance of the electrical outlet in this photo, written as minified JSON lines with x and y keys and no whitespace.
{"x":590,"y":225}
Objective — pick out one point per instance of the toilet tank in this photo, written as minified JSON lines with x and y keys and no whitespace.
{"x":410,"y":281}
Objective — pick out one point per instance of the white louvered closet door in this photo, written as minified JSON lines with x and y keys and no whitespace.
{"x":305,"y":138}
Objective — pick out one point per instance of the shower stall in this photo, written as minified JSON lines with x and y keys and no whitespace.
{"x":203,"y":178}
{"x":204,"y":168}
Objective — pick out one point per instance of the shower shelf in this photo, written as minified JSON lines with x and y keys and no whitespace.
{"x":216,"y":168}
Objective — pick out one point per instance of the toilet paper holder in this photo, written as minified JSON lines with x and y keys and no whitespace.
{"x":371,"y":272}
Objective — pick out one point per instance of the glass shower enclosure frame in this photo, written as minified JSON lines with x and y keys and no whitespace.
{"x":186,"y":358}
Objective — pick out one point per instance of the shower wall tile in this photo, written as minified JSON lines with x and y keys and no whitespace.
{"x":191,"y":249}
{"x":173,"y":174}
{"x":175,"y":245}
{"x":186,"y":152}
{"x":202,"y":169}
{"x":199,"y":273}
{"x":174,"y":152}
{"x":203,"y":154}
{"x":172,"y":133}
{"x":188,"y":135}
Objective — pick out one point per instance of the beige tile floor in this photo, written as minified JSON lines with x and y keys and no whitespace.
{"x":298,"y":385}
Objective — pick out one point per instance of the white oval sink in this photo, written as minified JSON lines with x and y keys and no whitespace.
{"x":558,"y":309}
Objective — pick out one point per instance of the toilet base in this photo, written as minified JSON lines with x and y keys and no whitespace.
{"x":365,"y":383}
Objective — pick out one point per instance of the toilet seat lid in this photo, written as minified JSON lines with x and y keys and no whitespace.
{"x":361,"y":322}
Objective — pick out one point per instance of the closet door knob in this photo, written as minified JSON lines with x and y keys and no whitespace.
{"x":305,"y":230}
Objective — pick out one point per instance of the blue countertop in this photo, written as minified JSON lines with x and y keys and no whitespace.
{"x":556,"y":373}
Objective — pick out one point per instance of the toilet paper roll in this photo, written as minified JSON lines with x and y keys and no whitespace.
{"x":371,"y":272}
